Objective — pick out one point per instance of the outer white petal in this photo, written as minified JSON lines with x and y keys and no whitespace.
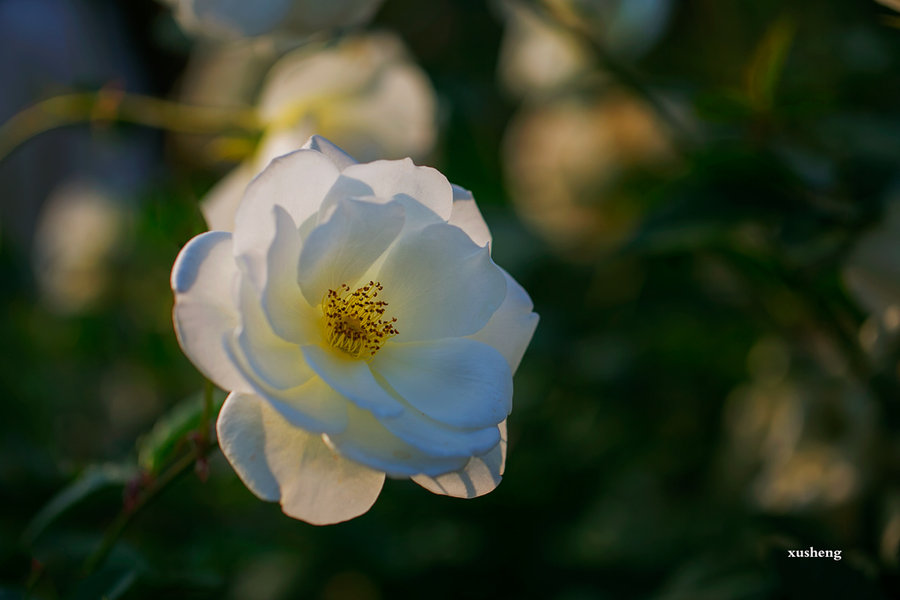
{"x":297,"y":182}
{"x":511,"y":327}
{"x":341,"y":159}
{"x":277,"y":362}
{"x":480,"y":475}
{"x":285,"y":307}
{"x":367,"y":441}
{"x":353,"y":380}
{"x":342,"y":249}
{"x":279,"y":462}
{"x":455,"y":381}
{"x":438,"y":283}
{"x":466,"y":216}
{"x":221,"y":203}
{"x":203,"y":278}
{"x":390,"y":178}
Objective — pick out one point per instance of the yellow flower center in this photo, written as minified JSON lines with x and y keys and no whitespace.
{"x":355,"y":321}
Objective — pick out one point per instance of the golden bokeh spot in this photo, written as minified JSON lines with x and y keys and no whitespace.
{"x":354,"y":321}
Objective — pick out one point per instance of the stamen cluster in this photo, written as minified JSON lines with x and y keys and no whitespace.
{"x":355,"y":322}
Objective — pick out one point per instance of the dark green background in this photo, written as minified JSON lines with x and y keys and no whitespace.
{"x":621,"y":480}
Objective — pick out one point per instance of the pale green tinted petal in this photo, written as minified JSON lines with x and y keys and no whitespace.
{"x":480,"y":475}
{"x":512,"y":325}
{"x":458,"y":382}
{"x":280,"y":462}
{"x":203,"y":279}
{"x":438,"y":284}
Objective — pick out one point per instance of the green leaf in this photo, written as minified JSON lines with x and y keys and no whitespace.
{"x":157,"y":447}
{"x":93,"y":478}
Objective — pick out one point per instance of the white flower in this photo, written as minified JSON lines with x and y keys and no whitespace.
{"x":872,"y":269}
{"x":238,"y":18}
{"x":564,"y":159}
{"x":364,"y":92}
{"x":75,"y":242}
{"x":363,"y":329}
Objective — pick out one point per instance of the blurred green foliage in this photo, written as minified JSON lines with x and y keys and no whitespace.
{"x":629,"y":475}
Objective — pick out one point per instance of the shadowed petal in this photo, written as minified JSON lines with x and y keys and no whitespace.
{"x":480,"y":475}
{"x":367,"y":441}
{"x":466,"y":216}
{"x":511,"y":327}
{"x":459,"y":382}
{"x":353,"y":380}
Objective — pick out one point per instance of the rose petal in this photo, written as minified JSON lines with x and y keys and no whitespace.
{"x":436,"y":439}
{"x":297,"y":182}
{"x":480,"y":475}
{"x":277,"y":362}
{"x":367,"y":441}
{"x":512,"y":325}
{"x":390,"y":178}
{"x":342,"y":249}
{"x":285,"y":307}
{"x":353,"y":380}
{"x":466,"y":216}
{"x":280,"y":462}
{"x":341,"y":159}
{"x":455,"y":381}
{"x":438,"y":283}
{"x":202,"y":278}
{"x":312,"y":405}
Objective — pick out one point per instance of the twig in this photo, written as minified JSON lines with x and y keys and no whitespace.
{"x":114,"y":105}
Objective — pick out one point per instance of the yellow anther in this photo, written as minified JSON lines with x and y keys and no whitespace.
{"x":355,"y":321}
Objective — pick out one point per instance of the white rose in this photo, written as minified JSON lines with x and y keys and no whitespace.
{"x":239,"y":18}
{"x":363,"y":329}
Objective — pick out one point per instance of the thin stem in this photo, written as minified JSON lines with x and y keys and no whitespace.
{"x":207,"y":412}
{"x":170,"y":475}
{"x":114,"y":105}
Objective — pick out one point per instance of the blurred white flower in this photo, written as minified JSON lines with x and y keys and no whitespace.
{"x":539,"y":56}
{"x":363,"y":329}
{"x":562,"y":159}
{"x":239,"y":18}
{"x":542,"y":53}
{"x":801,"y":439}
{"x":76,"y":236}
{"x":872,"y":270}
{"x":365,"y":93}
